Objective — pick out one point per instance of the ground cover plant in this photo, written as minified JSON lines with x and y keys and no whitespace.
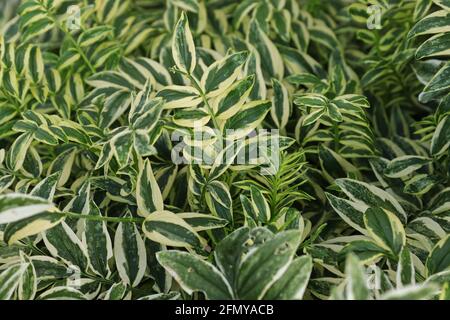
{"x":224,"y":149}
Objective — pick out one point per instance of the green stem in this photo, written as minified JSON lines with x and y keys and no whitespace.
{"x":205,"y":100}
{"x":101,"y":218}
{"x":335,"y":136}
{"x":75,"y":44}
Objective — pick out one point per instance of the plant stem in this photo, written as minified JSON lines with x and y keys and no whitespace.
{"x":205,"y":100}
{"x":75,"y":44}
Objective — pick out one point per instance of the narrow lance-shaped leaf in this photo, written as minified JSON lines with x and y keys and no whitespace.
{"x":371,"y":196}
{"x":18,"y":150}
{"x":250,"y":116}
{"x":405,"y":269}
{"x":28,"y":281}
{"x":35,"y":224}
{"x":230,"y":102}
{"x":440,"y":141}
{"x":129,"y":253}
{"x":170,"y":229}
{"x":271,"y":61}
{"x":194,"y":274}
{"x":183,"y":48}
{"x":62,"y":293}
{"x":148,"y":195}
{"x":260,"y":205}
{"x":63,"y":243}
{"x":221,"y":74}
{"x":201,"y":222}
{"x":219,"y":200}
{"x":98,"y":243}
{"x":293,"y":282}
{"x":280,"y":110}
{"x":356,"y":288}
{"x":228,"y":253}
{"x":9,"y":280}
{"x":439,"y":258}
{"x":402,"y":166}
{"x":15,"y":207}
{"x":386,"y":229}
{"x":261,"y":268}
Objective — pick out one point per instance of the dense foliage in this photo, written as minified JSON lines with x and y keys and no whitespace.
{"x":123,"y":124}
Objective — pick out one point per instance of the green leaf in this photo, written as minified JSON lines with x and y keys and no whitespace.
{"x":405,"y":165}
{"x":62,"y":293}
{"x":5,"y":182}
{"x":191,"y":117}
{"x":27,"y":284}
{"x":129,"y":253}
{"x":231,"y":101}
{"x":371,"y":196}
{"x":18,"y":150}
{"x":146,"y":113}
{"x":183,"y":47}
{"x":229,"y":252}
{"x":200,"y":222}
{"x":36,"y":224}
{"x":271,"y":61}
{"x":366,"y":251}
{"x":281,"y":108}
{"x":47,"y":187}
{"x":116,"y":292}
{"x":260,"y":205}
{"x":293,"y":282}
{"x":10,"y":279}
{"x":48,"y":268}
{"x":349,"y":211}
{"x":249,"y":117}
{"x":219,"y":200}
{"x":179,"y":97}
{"x":93,"y":35}
{"x":439,"y":258}
{"x":313,"y":117}
{"x":15,"y":207}
{"x":35,"y":66}
{"x":96,"y":239}
{"x":334,"y":165}
{"x":148,"y":195}
{"x":259,"y":270}
{"x":194,"y":274}
{"x":438,"y":85}
{"x":414,"y":292}
{"x":221,"y":74}
{"x":437,"y":22}
{"x":356,"y":288}
{"x":63,"y":243}
{"x":405,"y":269}
{"x":420,"y":184}
{"x":386,"y":229}
{"x":170,"y":229}
{"x":441,"y":202}
{"x":438,"y":45}
{"x":441,"y":137}
{"x":63,"y":164}
{"x":189,"y":5}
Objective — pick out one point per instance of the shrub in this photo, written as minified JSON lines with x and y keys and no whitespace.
{"x":209,"y":149}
